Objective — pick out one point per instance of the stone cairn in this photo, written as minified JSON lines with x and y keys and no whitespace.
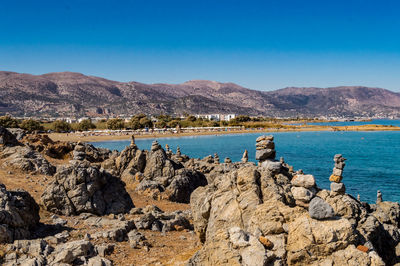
{"x":337,"y":186}
{"x":178,"y":154}
{"x":227,"y":160}
{"x":216,"y":158}
{"x":265,"y":148}
{"x":78,"y":153}
{"x":245,"y":157}
{"x":168,"y":151}
{"x":155,"y":146}
{"x":378,"y":197}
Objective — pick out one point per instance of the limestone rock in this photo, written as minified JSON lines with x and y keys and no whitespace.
{"x":6,"y":138}
{"x":312,"y":238}
{"x":306,"y":181}
{"x":302,"y":194}
{"x":19,"y":215}
{"x":338,"y":187}
{"x":320,"y":209}
{"x":26,"y":159}
{"x":83,"y":188}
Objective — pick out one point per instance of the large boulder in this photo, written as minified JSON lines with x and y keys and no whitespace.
{"x":19,"y":215}
{"x":80,"y":187}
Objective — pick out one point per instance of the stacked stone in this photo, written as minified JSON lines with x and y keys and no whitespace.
{"x":216,"y":158}
{"x":265,"y":148}
{"x":337,"y":186}
{"x":155,"y":146}
{"x":79,"y":152}
{"x":168,"y":151}
{"x":245,"y":157}
{"x":227,"y":160}
{"x":178,"y":154}
{"x":303,"y":189}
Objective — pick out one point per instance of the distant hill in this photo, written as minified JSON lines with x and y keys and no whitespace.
{"x":75,"y":94}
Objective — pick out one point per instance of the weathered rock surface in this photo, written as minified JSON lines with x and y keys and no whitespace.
{"x":26,"y":159}
{"x":320,"y":209}
{"x":156,"y":173}
{"x":263,"y":216}
{"x":7,"y":138}
{"x":80,"y":188}
{"x":19,"y":215}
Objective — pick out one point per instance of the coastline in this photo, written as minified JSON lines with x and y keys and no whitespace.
{"x":74,"y":137}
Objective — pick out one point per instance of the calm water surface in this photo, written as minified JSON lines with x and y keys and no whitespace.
{"x":385,"y":122}
{"x":373,"y":158}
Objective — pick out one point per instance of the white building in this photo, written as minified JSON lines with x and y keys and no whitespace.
{"x":217,"y":117}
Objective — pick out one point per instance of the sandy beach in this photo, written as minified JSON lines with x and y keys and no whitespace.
{"x":92,"y":137}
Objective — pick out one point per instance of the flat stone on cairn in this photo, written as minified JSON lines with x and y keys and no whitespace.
{"x":337,"y":175}
{"x":265,"y":148}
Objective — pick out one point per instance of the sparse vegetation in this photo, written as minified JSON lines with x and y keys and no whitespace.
{"x":8,"y":122}
{"x":31,"y":125}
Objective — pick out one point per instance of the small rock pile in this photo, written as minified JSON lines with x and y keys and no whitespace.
{"x":303,"y":189}
{"x":337,"y":186}
{"x":265,"y":148}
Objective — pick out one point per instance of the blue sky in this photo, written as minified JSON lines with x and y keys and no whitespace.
{"x":258,"y":44}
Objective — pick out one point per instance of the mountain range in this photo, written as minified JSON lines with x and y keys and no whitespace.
{"x":74,"y":94}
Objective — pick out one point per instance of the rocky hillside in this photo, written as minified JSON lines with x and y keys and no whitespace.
{"x":69,"y":94}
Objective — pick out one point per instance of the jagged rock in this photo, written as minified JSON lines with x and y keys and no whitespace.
{"x":240,"y":208}
{"x":17,"y":132}
{"x":308,"y":237}
{"x":27,"y":252}
{"x":26,"y":159}
{"x":183,"y":185}
{"x":83,"y":188}
{"x":7,"y":138}
{"x":19,"y":215}
{"x":320,"y":209}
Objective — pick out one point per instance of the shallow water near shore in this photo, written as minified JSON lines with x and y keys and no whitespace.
{"x":373,"y":158}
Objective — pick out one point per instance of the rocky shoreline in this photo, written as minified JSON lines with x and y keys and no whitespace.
{"x":238,"y":213}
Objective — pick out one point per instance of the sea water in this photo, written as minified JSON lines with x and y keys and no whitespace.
{"x":373,"y":158}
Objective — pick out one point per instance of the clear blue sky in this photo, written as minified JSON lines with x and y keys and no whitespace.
{"x":258,"y":44}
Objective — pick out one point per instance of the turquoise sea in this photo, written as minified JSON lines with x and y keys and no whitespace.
{"x":385,"y":122}
{"x":373,"y":158}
